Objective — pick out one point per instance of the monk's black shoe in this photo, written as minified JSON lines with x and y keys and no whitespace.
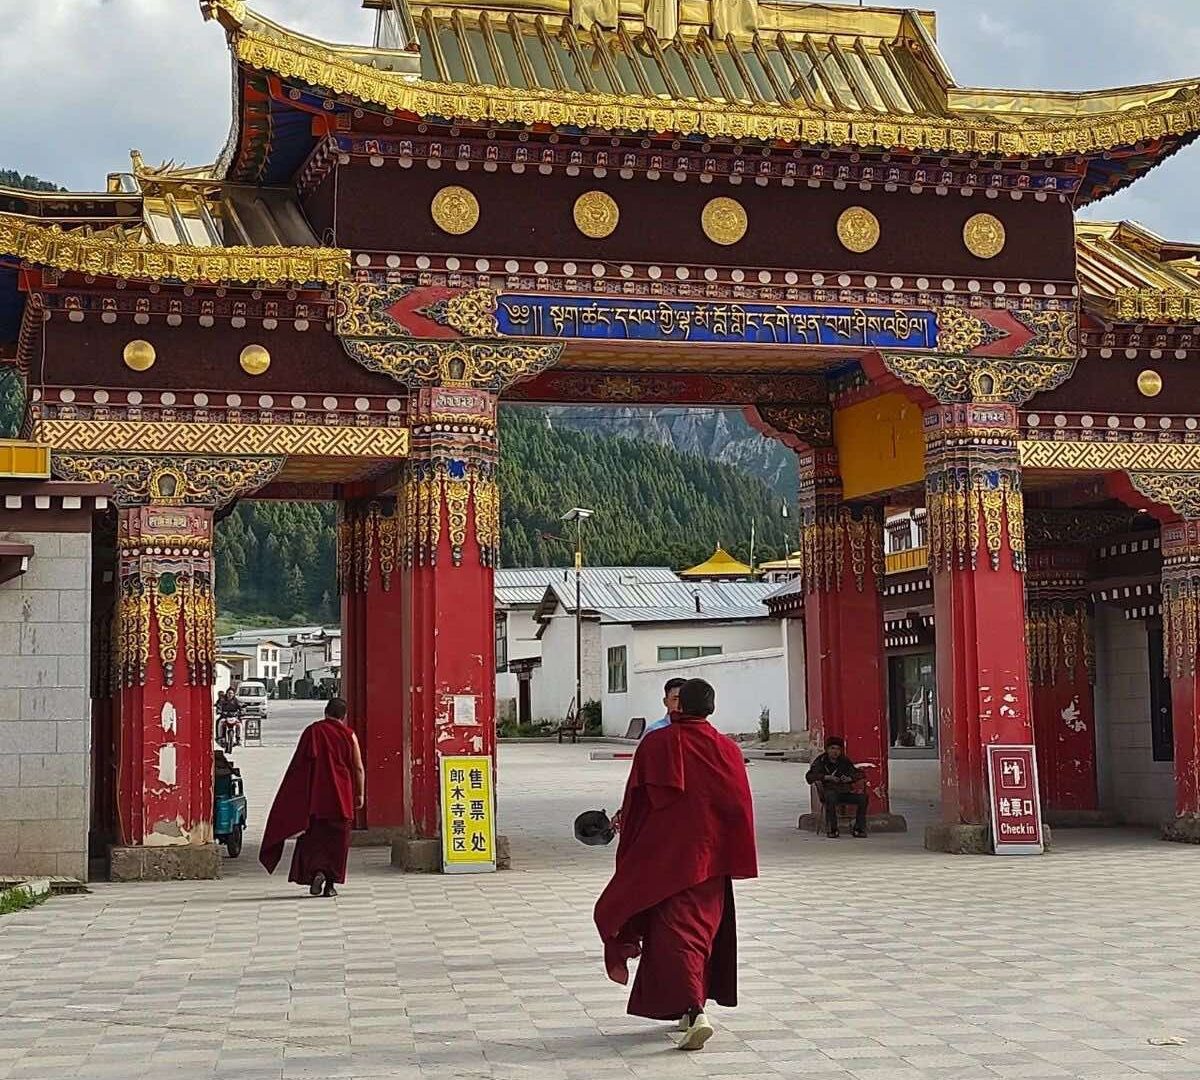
{"x":833,"y":834}
{"x":317,"y":886}
{"x":860,"y":834}
{"x":330,"y":890}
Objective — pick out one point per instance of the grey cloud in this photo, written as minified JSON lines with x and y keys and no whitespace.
{"x":89,"y":79}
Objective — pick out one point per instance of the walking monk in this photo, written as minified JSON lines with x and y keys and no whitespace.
{"x":687,"y":830}
{"x":316,"y":801}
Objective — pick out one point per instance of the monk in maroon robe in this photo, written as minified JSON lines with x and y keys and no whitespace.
{"x":316,"y":802}
{"x":686,"y":831}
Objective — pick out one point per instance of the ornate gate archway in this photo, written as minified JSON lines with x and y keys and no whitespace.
{"x":811,"y":222}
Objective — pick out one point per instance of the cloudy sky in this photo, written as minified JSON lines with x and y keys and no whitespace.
{"x":86,"y":80}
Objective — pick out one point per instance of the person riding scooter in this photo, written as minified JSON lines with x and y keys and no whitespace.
{"x":229,"y":720}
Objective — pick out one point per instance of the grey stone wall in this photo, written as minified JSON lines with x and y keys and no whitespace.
{"x":45,"y":712}
{"x":1140,"y":790}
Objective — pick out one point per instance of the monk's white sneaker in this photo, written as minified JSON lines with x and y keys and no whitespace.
{"x":697,"y":1034}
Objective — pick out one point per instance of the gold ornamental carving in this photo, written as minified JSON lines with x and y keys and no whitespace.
{"x":473,"y":313}
{"x":112,"y":255}
{"x":1149,"y":383}
{"x":455,"y":210}
{"x":958,"y":331}
{"x":168,"y":480}
{"x":1177,"y":491}
{"x":480,"y":365}
{"x":1145,"y":115}
{"x":984,"y":235}
{"x":724,"y":220}
{"x":166,"y":437}
{"x":139,"y":355}
{"x":1007,"y":380}
{"x":453,"y":486}
{"x":596,"y":214}
{"x":1058,"y":635}
{"x":254,"y":360}
{"x":858,"y":229}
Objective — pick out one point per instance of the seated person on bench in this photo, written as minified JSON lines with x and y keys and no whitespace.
{"x":834,"y":774}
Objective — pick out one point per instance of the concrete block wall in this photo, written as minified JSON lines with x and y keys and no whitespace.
{"x":1140,"y":790}
{"x":45,"y":712}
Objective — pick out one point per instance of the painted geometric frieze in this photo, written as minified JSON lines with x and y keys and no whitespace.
{"x":168,"y":480}
{"x":1109,"y":456}
{"x":158,"y":437}
{"x":1005,"y":380}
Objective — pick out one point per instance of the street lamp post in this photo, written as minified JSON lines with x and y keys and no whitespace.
{"x":578,"y":515}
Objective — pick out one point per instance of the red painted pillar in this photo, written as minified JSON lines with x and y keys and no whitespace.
{"x":371,"y":585}
{"x":164,"y":650}
{"x":452,"y":531}
{"x":1062,"y":667}
{"x":977,"y":559}
{"x":1180,"y":541}
{"x":846,"y":669}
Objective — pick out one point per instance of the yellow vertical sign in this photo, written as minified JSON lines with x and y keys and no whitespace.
{"x":468,"y":815}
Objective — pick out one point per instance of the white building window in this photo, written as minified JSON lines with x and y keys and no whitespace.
{"x":618,"y":671}
{"x":668,"y":654}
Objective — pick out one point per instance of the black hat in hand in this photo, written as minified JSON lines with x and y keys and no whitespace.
{"x":592,"y":827}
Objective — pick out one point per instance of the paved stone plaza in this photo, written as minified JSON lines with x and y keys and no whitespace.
{"x":871,"y":960}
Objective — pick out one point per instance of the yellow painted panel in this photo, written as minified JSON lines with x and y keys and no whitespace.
{"x":880,"y":445}
{"x":24,"y":460}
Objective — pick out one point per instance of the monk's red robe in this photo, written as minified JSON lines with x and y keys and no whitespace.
{"x":315,"y":801}
{"x":687,"y":830}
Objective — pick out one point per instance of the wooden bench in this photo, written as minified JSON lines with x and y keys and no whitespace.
{"x":572,"y":725}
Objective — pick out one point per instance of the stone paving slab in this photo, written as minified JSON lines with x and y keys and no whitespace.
{"x":868,"y":960}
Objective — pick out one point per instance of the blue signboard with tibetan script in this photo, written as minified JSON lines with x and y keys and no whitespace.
{"x":714,"y":322}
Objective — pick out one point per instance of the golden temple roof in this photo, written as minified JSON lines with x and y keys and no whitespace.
{"x":763,"y":69}
{"x":1128,"y":274}
{"x":720,"y":565}
{"x":170,"y":222}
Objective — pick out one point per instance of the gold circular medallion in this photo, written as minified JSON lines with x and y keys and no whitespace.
{"x":984,"y":235}
{"x":455,"y":210}
{"x":596,"y":214}
{"x":1149,"y":383}
{"x":724,"y":220}
{"x":139,"y":355}
{"x":858,"y":229}
{"x":254,"y":359}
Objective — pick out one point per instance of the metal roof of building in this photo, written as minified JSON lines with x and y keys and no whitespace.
{"x":516,"y":586}
{"x":673,"y":599}
{"x":731,"y":613}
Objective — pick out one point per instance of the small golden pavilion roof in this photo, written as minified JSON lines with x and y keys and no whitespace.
{"x":794,"y":561}
{"x":762,"y":69}
{"x":170,"y":223}
{"x":1128,"y":274}
{"x":720,"y":565}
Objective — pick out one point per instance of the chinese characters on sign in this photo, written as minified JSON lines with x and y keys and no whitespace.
{"x":468,"y":815}
{"x":715,"y":322}
{"x":1016,"y":809}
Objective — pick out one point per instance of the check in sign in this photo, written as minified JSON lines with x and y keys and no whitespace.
{"x":1016,"y":808}
{"x":468,"y":815}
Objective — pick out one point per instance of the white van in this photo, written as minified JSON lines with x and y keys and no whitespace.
{"x":252,"y":696}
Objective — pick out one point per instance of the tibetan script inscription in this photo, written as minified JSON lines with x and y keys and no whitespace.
{"x":715,"y":322}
